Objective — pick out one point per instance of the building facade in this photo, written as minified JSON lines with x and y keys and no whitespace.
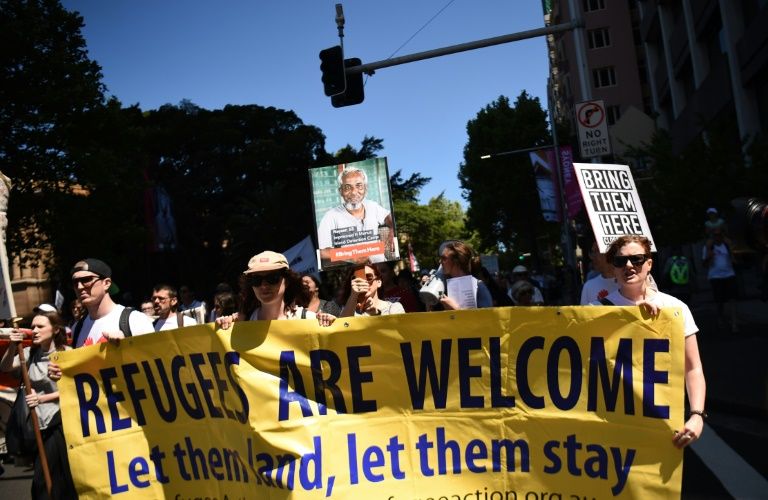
{"x":675,"y":64}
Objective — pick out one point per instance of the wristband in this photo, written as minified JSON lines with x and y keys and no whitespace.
{"x":700,"y":413}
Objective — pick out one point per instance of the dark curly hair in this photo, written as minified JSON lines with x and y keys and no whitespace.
{"x":294,"y":293}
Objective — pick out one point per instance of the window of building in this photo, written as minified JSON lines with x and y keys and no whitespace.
{"x":598,"y":38}
{"x":603,"y":77}
{"x":590,"y":5}
{"x":612,"y":113}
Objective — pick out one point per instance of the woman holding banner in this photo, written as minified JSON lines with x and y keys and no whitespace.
{"x":269,"y":290}
{"x":630,"y":256}
{"x":50,"y":336}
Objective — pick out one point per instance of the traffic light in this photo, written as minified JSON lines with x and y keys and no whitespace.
{"x":353,"y":94}
{"x":332,"y":66}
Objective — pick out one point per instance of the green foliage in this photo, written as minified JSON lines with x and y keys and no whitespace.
{"x":407,"y":189}
{"x":239,"y":181}
{"x":426,"y":226}
{"x":56,"y":132}
{"x":501,"y":191}
{"x":676,"y":189}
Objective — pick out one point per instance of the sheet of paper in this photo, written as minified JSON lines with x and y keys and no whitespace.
{"x":464,"y":291}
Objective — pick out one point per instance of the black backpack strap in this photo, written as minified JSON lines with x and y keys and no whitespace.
{"x":606,"y":302}
{"x":303,"y":313}
{"x":125,"y":324}
{"x":179,"y":319}
{"x":77,"y":330}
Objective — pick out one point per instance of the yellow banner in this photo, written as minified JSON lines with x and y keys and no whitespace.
{"x":529,"y":403}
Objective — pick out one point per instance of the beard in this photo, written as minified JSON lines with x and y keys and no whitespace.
{"x":353,"y":205}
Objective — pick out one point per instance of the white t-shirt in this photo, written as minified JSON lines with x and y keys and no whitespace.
{"x":660,"y":299}
{"x":294,"y":314}
{"x":720,"y":266}
{"x":389,"y":308}
{"x":338,"y":217}
{"x":170,"y":322}
{"x":91,"y":332}
{"x":597,"y":288}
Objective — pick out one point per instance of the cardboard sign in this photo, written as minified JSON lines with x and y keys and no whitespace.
{"x":612,"y":202}
{"x":353,"y":214}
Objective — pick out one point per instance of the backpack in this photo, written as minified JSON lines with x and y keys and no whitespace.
{"x":679,"y":272}
{"x":124,"y":324}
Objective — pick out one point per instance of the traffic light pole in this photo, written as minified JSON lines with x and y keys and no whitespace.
{"x":369,"y":68}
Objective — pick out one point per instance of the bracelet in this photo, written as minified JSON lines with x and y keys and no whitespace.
{"x":700,"y":413}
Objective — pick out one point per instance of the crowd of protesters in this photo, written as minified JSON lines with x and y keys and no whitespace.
{"x":269,"y":290}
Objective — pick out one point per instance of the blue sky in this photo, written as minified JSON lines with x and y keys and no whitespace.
{"x":266,"y":53}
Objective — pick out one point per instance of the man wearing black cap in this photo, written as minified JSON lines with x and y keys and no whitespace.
{"x":91,"y":279}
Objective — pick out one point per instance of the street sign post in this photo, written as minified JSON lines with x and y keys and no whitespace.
{"x":593,"y":129}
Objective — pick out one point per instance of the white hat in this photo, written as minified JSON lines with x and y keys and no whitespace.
{"x":48,"y":308}
{"x":519,"y":269}
{"x":711,"y":210}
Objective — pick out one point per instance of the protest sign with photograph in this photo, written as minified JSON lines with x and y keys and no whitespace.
{"x":353,"y":213}
{"x":612,"y":202}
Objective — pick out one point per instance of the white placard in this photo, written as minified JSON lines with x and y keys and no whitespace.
{"x":612,"y":202}
{"x":464,"y":291}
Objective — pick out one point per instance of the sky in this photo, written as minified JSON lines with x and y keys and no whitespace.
{"x":266,"y":53}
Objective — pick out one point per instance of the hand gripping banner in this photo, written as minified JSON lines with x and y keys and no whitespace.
{"x":507,"y":403}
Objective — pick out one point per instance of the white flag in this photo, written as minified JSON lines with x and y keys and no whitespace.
{"x":301,"y":257}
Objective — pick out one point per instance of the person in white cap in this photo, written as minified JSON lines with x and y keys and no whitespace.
{"x":519,"y":273}
{"x":714,"y":221}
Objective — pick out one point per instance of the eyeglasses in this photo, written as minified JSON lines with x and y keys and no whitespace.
{"x":370,"y":278}
{"x":159,"y":298}
{"x":349,"y":187}
{"x":636,"y":260}
{"x":271,"y":279}
{"x":86,"y":281}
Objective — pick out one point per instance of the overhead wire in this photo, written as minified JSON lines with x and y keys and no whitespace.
{"x":416,"y":33}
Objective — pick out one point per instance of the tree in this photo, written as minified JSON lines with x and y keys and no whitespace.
{"x":63,"y":146}
{"x":677,"y":188}
{"x":501,"y":191}
{"x":238,"y":181}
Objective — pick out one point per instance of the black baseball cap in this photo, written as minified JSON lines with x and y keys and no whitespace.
{"x":93,"y":265}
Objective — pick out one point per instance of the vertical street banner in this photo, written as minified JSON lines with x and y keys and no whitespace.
{"x":572,"y":192}
{"x":353,"y":213}
{"x":544,"y":171}
{"x":571,"y":402}
{"x":612,"y":201}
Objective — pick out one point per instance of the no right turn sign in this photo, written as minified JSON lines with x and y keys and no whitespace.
{"x":593,"y":129}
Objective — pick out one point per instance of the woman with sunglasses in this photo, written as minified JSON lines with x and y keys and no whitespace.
{"x":269,"y":290}
{"x":631,"y":259}
{"x":363,"y":295}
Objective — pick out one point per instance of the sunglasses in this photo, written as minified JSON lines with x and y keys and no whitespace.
{"x":86,"y":281}
{"x":636,"y":260}
{"x":271,"y":279}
